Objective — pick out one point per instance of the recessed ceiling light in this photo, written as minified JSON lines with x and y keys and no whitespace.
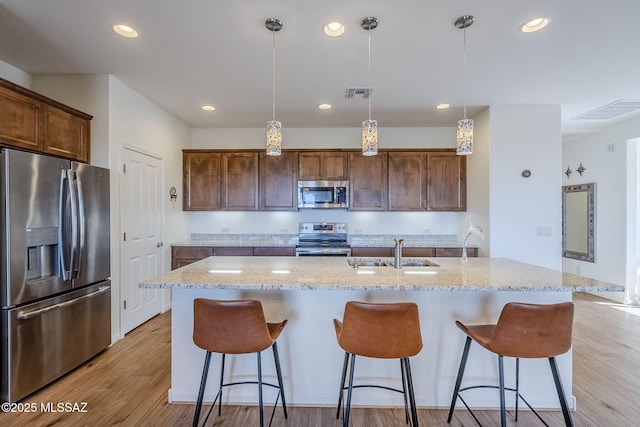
{"x":324,"y":106}
{"x":443,"y":106}
{"x":125,"y":31}
{"x":334,"y":29}
{"x":534,"y":25}
{"x":208,"y":108}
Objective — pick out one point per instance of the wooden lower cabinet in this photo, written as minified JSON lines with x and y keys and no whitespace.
{"x":412,"y":252}
{"x":274,"y":251}
{"x":371,"y":252}
{"x":185,"y":255}
{"x":455,"y":252}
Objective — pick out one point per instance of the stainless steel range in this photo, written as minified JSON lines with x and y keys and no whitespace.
{"x":323,"y":239}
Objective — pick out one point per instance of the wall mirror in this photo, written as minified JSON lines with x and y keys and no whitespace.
{"x":578,"y":221}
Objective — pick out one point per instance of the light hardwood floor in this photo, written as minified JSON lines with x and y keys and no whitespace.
{"x":127,"y":384}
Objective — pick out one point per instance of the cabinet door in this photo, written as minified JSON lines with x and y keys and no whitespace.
{"x":233,"y":251}
{"x":455,"y":252}
{"x":418,"y":252}
{"x":371,"y":252}
{"x":240,"y":181}
{"x":446,"y":182}
{"x":201,"y":181}
{"x":323,"y":165}
{"x":278,"y":176}
{"x":273,"y":251}
{"x":20,"y":124}
{"x":367,"y":182}
{"x":65,"y":135}
{"x":185,"y":255}
{"x":407,"y":181}
{"x":334,"y":165}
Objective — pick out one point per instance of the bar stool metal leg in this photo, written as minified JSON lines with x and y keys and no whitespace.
{"x":503,"y":411}
{"x":412,"y":397}
{"x":260,"y":388}
{"x":203,"y":383}
{"x":221,"y":382}
{"x":276,"y":359}
{"x":456,"y":389}
{"x":404,"y":392}
{"x":517,"y":385}
{"x":563,"y":401}
{"x":349,"y":391}
{"x":342,"y":380}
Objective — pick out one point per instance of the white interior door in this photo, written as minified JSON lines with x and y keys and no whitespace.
{"x":141,"y":225}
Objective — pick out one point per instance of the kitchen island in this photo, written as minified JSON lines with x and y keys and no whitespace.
{"x":311,"y":291}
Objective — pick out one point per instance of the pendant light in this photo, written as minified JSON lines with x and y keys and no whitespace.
{"x":464,"y":132}
{"x":369,"y":127}
{"x":274,"y":127}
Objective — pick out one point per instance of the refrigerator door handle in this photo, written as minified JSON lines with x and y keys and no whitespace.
{"x":80,"y":221}
{"x":63,"y":234}
{"x":25,"y":315}
{"x":73,"y":196}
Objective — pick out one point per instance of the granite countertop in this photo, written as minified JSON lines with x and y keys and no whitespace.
{"x":334,"y":273}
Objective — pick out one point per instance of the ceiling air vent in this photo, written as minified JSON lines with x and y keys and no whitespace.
{"x":358,"y":92}
{"x":615,"y":110}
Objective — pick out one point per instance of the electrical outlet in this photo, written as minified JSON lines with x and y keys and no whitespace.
{"x":544,"y":231}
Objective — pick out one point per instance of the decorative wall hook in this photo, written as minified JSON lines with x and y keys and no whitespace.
{"x":568,"y":172}
{"x":581,"y":169}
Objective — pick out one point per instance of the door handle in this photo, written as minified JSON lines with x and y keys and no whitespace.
{"x":159,"y":244}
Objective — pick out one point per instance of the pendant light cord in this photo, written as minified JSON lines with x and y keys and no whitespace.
{"x":464,"y":56}
{"x":273,"y":69}
{"x":369,"y":88}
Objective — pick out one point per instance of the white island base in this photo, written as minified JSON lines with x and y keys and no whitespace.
{"x":312,"y":360}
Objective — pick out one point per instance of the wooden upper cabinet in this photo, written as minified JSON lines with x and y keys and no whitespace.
{"x":278,"y":181}
{"x":239,"y":181}
{"x":407,"y":181}
{"x":446,"y":182}
{"x":34,"y":122}
{"x":323,"y":165}
{"x":201,"y":181}
{"x":20,"y":124}
{"x":367,"y":182}
{"x":65,"y":135}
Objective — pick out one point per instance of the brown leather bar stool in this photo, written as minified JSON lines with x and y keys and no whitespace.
{"x":385,"y":331}
{"x":523,"y":331}
{"x":235,"y":327}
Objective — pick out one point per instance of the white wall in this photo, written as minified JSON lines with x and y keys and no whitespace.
{"x":616,"y":216}
{"x":15,"y":75}
{"x":306,"y":138}
{"x":525,"y":137}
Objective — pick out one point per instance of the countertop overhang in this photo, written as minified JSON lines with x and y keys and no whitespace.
{"x":334,"y":273}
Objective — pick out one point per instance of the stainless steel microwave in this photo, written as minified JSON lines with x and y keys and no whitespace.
{"x":323,"y":194}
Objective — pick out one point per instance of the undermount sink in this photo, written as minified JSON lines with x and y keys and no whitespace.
{"x":405,"y":263}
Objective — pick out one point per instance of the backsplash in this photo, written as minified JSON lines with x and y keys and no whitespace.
{"x":354,"y":240}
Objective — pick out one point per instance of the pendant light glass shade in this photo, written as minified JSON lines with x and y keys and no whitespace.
{"x":464,"y":132}
{"x":464,"y":137}
{"x":369,"y":137}
{"x":274,"y":138}
{"x":274,"y":127}
{"x":369,"y":127}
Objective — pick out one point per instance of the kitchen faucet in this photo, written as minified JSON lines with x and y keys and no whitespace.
{"x":398,"y":253}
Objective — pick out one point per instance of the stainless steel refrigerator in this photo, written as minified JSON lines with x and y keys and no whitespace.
{"x":55,"y":292}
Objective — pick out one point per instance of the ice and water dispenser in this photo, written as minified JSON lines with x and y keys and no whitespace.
{"x":42,"y":252}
